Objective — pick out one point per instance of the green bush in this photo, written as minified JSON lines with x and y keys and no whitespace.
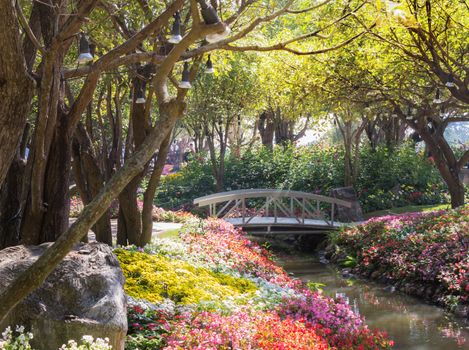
{"x":387,"y":178}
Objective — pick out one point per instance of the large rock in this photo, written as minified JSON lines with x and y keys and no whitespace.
{"x":83,"y":296}
{"x":344,"y":214}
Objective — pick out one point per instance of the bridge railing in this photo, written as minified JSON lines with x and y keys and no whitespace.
{"x":277,"y":204}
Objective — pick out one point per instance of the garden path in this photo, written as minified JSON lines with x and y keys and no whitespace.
{"x":158,"y":228}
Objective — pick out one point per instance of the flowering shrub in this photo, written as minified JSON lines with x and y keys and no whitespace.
{"x":425,"y":249}
{"x":15,"y":340}
{"x":76,"y":206}
{"x":87,"y":343}
{"x":158,"y":214}
{"x":161,"y":215}
{"x":260,"y":331}
{"x":154,"y":277}
{"x":19,"y":340}
{"x":334,"y":320}
{"x":215,"y":289}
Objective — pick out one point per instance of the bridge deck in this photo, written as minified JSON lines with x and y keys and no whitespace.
{"x":290,"y":222}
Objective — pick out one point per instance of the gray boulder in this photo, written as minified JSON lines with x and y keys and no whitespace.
{"x":353,"y":214}
{"x":83,"y":296}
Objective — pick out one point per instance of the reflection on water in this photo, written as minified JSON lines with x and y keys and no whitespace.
{"x":412,"y":324}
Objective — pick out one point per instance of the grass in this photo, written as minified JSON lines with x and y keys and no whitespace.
{"x":407,"y":209}
{"x":169,"y":234}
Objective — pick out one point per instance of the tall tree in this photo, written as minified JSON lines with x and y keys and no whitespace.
{"x":44,"y":217}
{"x":16,"y":87}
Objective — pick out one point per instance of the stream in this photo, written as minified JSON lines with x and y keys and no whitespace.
{"x":412,"y":324}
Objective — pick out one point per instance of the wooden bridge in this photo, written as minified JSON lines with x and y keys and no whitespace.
{"x":266,"y":211}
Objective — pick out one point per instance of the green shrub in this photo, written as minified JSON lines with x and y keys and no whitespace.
{"x":386,"y":178}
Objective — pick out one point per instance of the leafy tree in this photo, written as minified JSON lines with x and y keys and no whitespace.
{"x":122,"y":34}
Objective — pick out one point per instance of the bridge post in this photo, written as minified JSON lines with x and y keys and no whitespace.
{"x":243,"y":210}
{"x":275,"y":211}
{"x":303,"y":210}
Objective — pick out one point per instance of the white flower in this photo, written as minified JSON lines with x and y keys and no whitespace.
{"x":6,"y":333}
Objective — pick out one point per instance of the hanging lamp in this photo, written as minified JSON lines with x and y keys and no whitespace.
{"x":209,"y":14}
{"x":176,"y":30}
{"x":409,"y":113}
{"x":450,"y":82}
{"x":185,"y":81}
{"x":84,"y":53}
{"x":209,"y":66}
{"x":139,"y":95}
{"x":437,"y":99}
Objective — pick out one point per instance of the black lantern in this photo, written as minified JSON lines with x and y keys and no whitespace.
{"x":450,"y":82}
{"x":209,"y":66}
{"x":84,"y":53}
{"x":139,"y":94}
{"x":185,"y":82}
{"x":209,"y":14}
{"x":437,"y":99}
{"x":176,"y":31}
{"x":410,"y":113}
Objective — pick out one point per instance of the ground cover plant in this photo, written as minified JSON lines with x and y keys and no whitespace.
{"x":247,"y":302}
{"x":422,"y":253}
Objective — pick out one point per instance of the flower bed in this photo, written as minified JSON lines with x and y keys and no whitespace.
{"x":215,"y":289}
{"x":158,"y":214}
{"x":425,"y":254}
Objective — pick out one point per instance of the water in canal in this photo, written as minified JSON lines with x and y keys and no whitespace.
{"x":412,"y":324}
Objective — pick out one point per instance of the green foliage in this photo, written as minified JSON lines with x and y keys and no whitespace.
{"x":397,"y":177}
{"x":154,"y":277}
{"x":178,"y":190}
{"x":315,"y":286}
{"x":349,"y":261}
{"x":387,"y":177}
{"x":142,"y":342}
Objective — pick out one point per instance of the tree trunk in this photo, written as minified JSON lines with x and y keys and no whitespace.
{"x":129,"y":212}
{"x":266,"y":127}
{"x":457,"y":191}
{"x":147,"y":211}
{"x":90,"y":180}
{"x":444,"y":158}
{"x":10,"y":202}
{"x":48,"y":224}
{"x":35,"y":275}
{"x":16,"y":87}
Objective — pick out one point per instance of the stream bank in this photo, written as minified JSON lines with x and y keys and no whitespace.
{"x":410,"y":322}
